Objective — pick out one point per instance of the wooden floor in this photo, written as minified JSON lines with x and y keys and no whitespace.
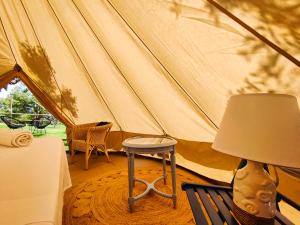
{"x":288,"y":185}
{"x":98,"y":165}
{"x":86,"y":203}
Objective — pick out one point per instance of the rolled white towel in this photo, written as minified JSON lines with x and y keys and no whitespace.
{"x":15,"y":138}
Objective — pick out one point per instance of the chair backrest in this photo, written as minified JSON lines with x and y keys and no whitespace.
{"x":41,"y":123}
{"x":11,"y":122}
{"x":80,"y":131}
{"x":52,"y":119}
{"x":105,"y":131}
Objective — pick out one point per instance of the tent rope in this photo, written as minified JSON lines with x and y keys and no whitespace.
{"x":255,"y":33}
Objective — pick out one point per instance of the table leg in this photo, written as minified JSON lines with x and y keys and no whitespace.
{"x":130,"y":180}
{"x":173,"y":171}
{"x":133,"y":175}
{"x":164,"y":168}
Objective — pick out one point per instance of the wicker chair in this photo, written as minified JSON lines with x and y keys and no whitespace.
{"x":88,"y":137}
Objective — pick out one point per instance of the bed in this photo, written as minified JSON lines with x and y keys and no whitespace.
{"x":33,"y":181}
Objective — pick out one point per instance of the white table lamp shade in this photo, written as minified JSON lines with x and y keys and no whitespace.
{"x":261,"y":127}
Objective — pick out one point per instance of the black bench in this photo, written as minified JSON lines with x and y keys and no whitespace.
{"x":216,"y":204}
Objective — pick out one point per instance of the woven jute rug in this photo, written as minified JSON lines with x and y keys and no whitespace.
{"x":103,"y":201}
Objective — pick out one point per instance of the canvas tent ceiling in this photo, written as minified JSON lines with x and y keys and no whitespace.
{"x":151,"y":66}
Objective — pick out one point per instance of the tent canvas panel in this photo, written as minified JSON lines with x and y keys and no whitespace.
{"x":149,"y":66}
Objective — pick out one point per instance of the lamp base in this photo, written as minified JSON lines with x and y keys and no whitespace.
{"x":254,"y":194}
{"x":249,"y":219}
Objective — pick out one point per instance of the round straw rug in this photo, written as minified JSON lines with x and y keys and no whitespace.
{"x":103,"y":201}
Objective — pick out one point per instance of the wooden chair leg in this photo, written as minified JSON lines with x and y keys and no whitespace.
{"x":106,"y":154}
{"x":72,"y":155}
{"x":87,"y":156}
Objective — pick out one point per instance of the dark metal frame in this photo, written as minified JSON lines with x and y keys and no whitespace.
{"x":12,"y":125}
{"x":40,"y":124}
{"x":213,"y":196}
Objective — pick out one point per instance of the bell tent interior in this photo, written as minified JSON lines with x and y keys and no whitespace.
{"x":152,"y":68}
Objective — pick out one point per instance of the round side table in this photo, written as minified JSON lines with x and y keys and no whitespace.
{"x":150,"y":145}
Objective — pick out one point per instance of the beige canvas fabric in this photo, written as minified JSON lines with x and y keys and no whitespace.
{"x":7,"y":61}
{"x":150,"y":66}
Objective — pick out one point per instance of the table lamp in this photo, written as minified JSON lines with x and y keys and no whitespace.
{"x":262,"y":128}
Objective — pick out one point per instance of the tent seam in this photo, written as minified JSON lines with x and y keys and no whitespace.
{"x":41,"y":90}
{"x":178,"y":84}
{"x":6,"y":36}
{"x":85,"y":68}
{"x":132,"y":89}
{"x":16,"y":63}
{"x":62,"y":97}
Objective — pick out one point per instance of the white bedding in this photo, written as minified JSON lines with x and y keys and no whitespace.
{"x":33,"y":181}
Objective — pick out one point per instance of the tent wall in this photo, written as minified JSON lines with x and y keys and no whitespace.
{"x":129,"y":111}
{"x":38,"y":93}
{"x":7,"y":60}
{"x":7,"y":77}
{"x":210,"y":55}
{"x":151,"y":67}
{"x":59,"y":75}
{"x":145,"y":75}
{"x":275,"y":21}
